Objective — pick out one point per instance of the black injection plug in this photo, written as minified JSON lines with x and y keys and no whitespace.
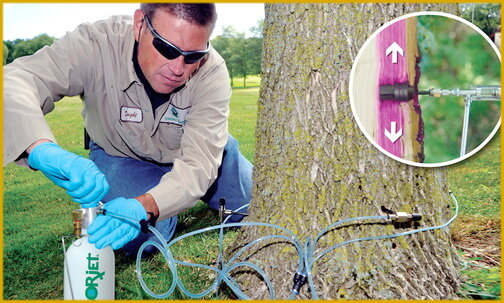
{"x":397,"y":92}
{"x":300,"y":279}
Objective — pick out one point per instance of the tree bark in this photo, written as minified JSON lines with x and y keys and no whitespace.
{"x":313,"y":167}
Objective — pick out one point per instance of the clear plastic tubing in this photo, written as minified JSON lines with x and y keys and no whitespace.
{"x":305,"y":251}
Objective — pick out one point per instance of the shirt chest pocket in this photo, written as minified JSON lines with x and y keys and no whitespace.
{"x":161,"y":147}
{"x":170,"y":135}
{"x":136,"y":138}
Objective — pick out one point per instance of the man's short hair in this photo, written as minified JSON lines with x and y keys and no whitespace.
{"x":203,"y":14}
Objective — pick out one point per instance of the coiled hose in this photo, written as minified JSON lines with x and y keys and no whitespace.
{"x":305,"y":251}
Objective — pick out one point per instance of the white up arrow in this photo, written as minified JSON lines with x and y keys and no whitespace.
{"x":393,"y":135}
{"x":394,"y":48}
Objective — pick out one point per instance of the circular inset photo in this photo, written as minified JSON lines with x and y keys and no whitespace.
{"x":425,"y":89}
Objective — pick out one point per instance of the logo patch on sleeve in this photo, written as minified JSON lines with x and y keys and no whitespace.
{"x":175,"y":115}
{"x":131,"y":114}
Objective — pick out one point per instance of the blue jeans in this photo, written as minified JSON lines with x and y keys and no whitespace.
{"x":130,"y":178}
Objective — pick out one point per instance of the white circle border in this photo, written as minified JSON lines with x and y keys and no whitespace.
{"x":352,"y":104}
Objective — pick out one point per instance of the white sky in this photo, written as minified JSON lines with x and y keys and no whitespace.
{"x":27,"y":20}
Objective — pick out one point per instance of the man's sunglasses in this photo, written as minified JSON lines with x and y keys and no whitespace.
{"x":170,"y":51}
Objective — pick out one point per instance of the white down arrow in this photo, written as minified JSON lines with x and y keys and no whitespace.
{"x":393,"y":135}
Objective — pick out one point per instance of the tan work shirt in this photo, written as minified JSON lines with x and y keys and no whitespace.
{"x":95,"y":61}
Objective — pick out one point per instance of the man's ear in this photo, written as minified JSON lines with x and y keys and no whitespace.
{"x":138,"y":20}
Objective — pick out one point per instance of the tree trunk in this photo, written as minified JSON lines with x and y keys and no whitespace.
{"x":313,"y":167}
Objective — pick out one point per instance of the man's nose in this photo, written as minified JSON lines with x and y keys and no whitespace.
{"x":177,"y":66}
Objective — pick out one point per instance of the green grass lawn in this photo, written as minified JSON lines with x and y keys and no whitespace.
{"x":37,"y":213}
{"x":477,"y":179}
{"x":251,"y":81}
{"x":476,"y":232}
{"x":242,"y":119}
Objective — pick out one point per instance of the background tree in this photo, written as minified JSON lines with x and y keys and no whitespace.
{"x":242,"y":54}
{"x":485,"y":15}
{"x":5,"y":53}
{"x":221,"y":44}
{"x":254,"y":46}
{"x":257,"y":31}
{"x":253,"y":49}
{"x":24,"y":47}
{"x":313,"y":166}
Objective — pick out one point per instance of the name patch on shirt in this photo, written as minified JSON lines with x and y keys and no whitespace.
{"x":175,"y":115}
{"x":131,"y":114}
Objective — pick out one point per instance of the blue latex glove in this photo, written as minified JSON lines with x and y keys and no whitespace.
{"x":79,"y":176}
{"x":107,"y":230}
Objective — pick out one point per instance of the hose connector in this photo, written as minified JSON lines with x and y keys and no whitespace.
{"x":400,"y":217}
{"x":224,"y":213}
{"x":300,"y":279}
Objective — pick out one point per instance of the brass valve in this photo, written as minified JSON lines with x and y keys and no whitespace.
{"x":77,"y":222}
